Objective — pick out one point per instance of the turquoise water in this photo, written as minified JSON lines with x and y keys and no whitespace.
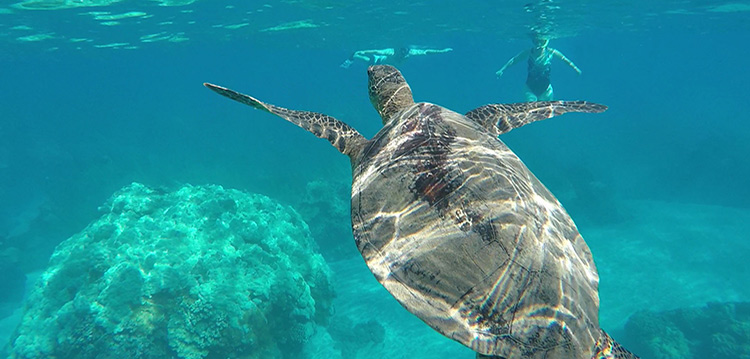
{"x":96,"y":95}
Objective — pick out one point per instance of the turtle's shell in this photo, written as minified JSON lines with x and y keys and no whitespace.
{"x":464,"y":236}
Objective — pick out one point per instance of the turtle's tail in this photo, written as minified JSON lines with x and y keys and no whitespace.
{"x":608,"y":348}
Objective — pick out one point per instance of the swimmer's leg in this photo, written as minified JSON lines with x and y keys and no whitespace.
{"x":547,"y":95}
{"x":530,"y":95}
{"x":361,"y":56}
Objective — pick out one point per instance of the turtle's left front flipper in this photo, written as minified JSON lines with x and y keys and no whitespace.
{"x":342,"y":136}
{"x":501,"y":118}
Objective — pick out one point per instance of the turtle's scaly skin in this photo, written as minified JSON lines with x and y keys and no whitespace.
{"x":459,"y":231}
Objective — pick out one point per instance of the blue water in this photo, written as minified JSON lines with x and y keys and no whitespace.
{"x":657,"y":184}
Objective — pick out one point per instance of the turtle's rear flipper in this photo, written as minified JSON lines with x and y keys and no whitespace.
{"x":605,"y":348}
{"x":608,"y":348}
{"x":342,"y":136}
{"x":501,"y":118}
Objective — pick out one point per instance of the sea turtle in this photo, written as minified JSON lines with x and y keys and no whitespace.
{"x":459,"y":231}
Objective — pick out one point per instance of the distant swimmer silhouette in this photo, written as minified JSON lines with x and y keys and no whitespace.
{"x":391,"y":56}
{"x":538,"y":86}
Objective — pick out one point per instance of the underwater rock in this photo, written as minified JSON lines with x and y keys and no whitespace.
{"x":590,"y":198}
{"x":201,"y":272}
{"x":325,"y":208}
{"x":716,"y":331}
{"x":350,"y":337}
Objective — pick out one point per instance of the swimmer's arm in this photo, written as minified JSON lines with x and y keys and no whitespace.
{"x":513,"y":60}
{"x":566,"y":60}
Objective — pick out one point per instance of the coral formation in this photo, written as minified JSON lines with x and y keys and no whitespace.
{"x":201,"y":272}
{"x":716,"y":331}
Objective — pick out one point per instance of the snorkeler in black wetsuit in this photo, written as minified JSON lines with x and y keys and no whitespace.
{"x":391,"y":56}
{"x":538,"y":86}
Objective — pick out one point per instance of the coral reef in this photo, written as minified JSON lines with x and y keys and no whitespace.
{"x":201,"y":272}
{"x":716,"y":331}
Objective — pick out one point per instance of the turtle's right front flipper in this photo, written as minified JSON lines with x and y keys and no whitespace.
{"x":501,"y":118}
{"x":342,"y":136}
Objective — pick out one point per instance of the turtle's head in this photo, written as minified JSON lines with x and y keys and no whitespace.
{"x":389,"y":92}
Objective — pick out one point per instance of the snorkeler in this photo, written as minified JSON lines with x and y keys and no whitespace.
{"x":538,"y":86}
{"x":391,"y":56}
